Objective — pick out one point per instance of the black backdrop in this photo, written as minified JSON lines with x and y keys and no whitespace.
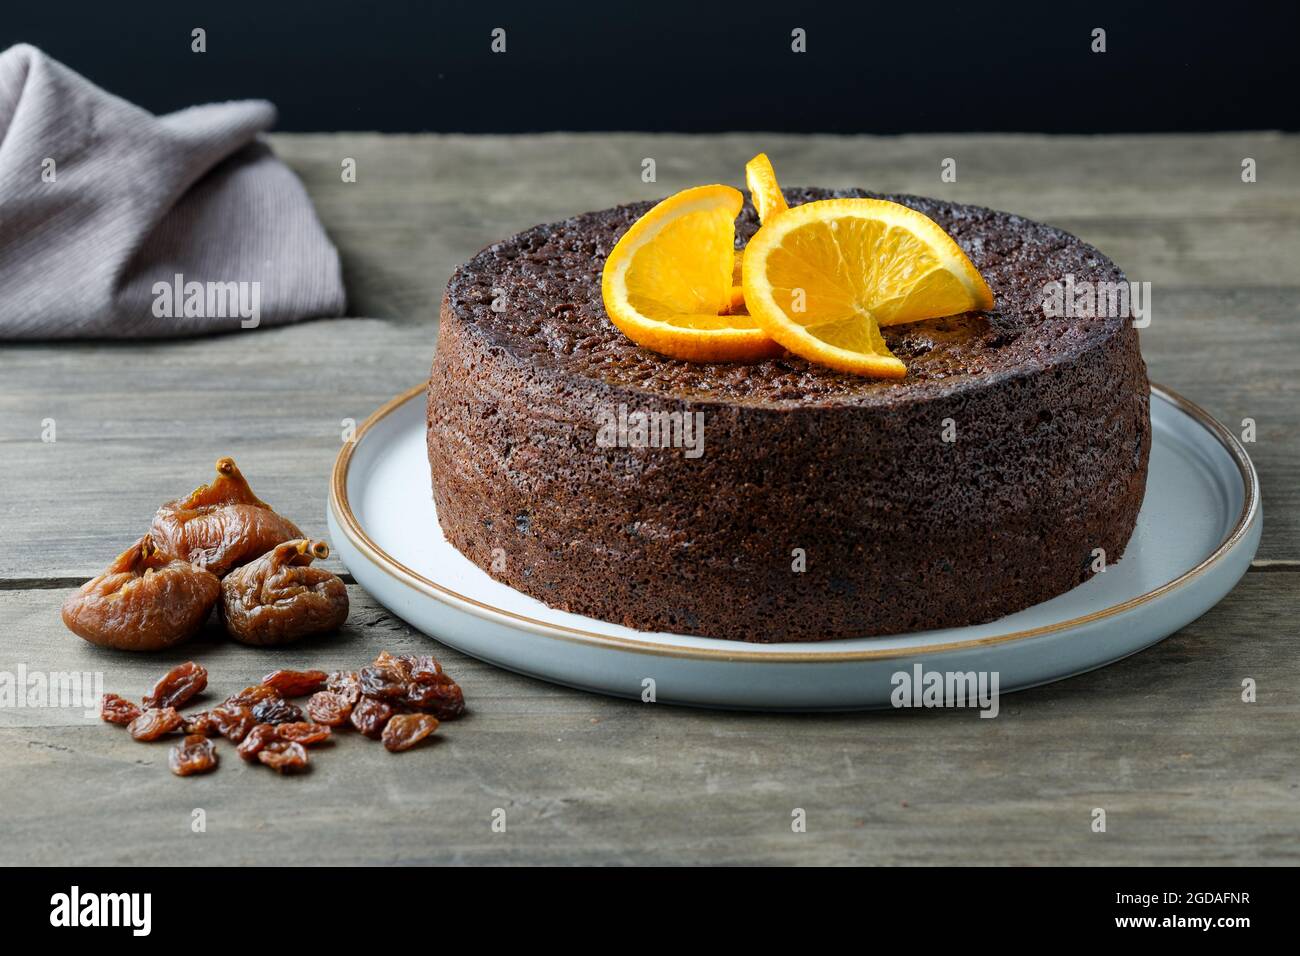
{"x":398,"y":65}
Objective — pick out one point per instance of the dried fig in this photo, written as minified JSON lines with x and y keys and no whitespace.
{"x":222,"y":525}
{"x":144,"y":601}
{"x":280,"y":597}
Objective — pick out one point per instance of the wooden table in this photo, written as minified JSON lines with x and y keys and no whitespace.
{"x":1187,"y":772}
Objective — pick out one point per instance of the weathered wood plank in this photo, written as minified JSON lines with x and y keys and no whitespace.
{"x":1186,"y":771}
{"x":139,"y":424}
{"x":423,"y":203}
{"x":1170,"y":209}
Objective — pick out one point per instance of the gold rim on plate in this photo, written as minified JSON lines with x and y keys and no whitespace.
{"x":351,"y":527}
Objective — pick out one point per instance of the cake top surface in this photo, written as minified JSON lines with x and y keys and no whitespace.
{"x":554,"y":318}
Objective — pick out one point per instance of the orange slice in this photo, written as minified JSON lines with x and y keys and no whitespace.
{"x":822,"y":278}
{"x":736,"y":305}
{"x":760,"y":177}
{"x":667,"y":283}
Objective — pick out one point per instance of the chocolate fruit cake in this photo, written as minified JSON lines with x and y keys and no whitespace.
{"x":806,"y":504}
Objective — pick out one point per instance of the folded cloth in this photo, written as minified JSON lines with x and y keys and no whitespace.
{"x":115,"y":223}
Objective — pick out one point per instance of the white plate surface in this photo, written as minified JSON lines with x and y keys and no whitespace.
{"x":1196,"y":534}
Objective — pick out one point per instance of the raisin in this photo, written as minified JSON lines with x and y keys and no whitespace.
{"x":444,"y":699}
{"x":257,"y":738}
{"x":178,"y":685}
{"x":234,"y":722}
{"x":251,"y":695}
{"x":284,"y":756}
{"x":329,"y":708}
{"x":117,"y":710}
{"x":194,"y":754}
{"x":386,"y":659}
{"x":369,"y":716}
{"x":280,"y":597}
{"x":415,"y":681}
{"x":384,"y":682}
{"x":422,"y":667}
{"x":347,"y":684}
{"x":295,"y":683}
{"x":276,"y":710}
{"x":222,"y":525}
{"x":144,"y":601}
{"x":400,"y":700}
{"x":304,"y":733}
{"x":153,"y":723}
{"x":404,"y":731}
{"x":202,"y":723}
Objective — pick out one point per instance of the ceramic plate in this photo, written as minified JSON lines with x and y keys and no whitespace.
{"x":1196,"y":535}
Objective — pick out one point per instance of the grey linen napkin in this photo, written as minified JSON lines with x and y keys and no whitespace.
{"x":116,"y":223}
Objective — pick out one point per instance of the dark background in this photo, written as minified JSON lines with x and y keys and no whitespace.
{"x":692,"y":66}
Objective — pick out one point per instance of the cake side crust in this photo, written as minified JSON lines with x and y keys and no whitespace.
{"x":898,"y":528}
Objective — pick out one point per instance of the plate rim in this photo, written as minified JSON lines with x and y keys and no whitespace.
{"x":383,"y":561}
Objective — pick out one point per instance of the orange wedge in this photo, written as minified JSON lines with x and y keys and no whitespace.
{"x":667,"y":283}
{"x":760,"y":177}
{"x":822,"y":278}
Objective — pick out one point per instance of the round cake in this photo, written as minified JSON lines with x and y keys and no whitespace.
{"x":784,"y":501}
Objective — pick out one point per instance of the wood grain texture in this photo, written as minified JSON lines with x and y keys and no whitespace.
{"x":1186,"y":771}
{"x":1171,"y":210}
